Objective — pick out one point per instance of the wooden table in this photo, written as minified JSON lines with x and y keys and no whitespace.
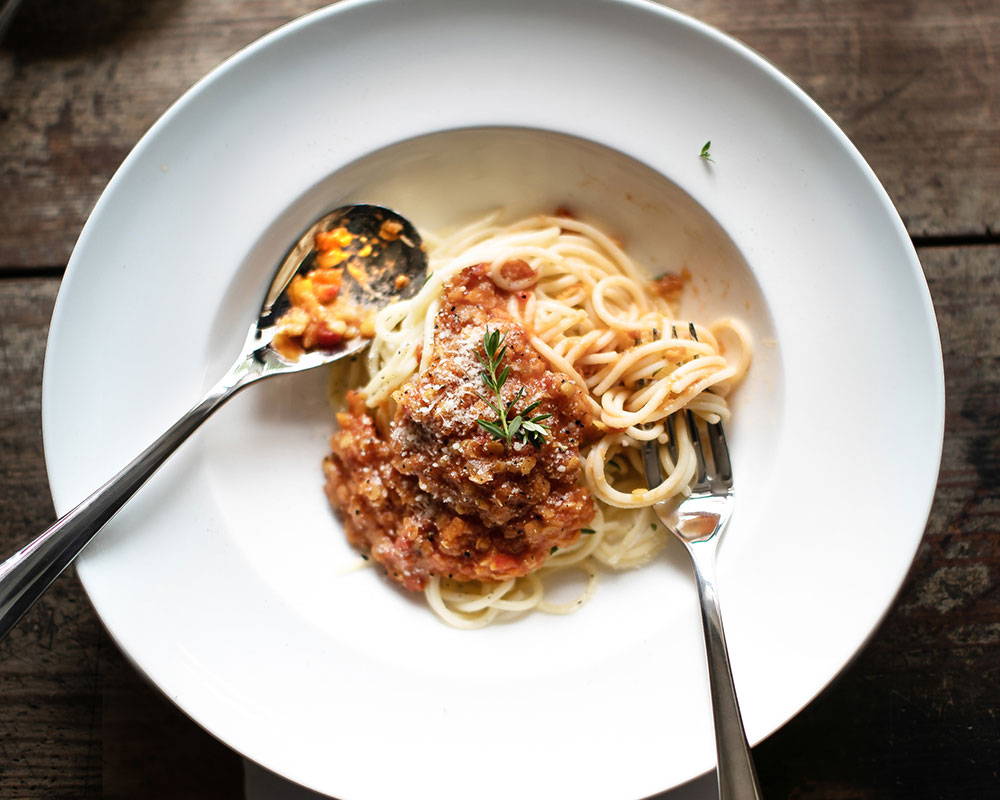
{"x":915,"y":84}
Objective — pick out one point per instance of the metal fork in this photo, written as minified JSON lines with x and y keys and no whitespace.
{"x":698,"y":522}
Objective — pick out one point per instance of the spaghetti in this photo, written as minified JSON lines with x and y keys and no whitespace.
{"x":599,"y":324}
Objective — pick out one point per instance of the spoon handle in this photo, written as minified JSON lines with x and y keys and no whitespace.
{"x":26,"y":575}
{"x":736,"y":772}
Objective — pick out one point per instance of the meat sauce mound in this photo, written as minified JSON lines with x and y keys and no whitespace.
{"x":437,"y":494}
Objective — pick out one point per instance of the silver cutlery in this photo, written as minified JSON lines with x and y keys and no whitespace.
{"x":698,"y":521}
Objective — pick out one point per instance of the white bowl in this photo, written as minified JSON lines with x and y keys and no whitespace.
{"x":224,"y":578}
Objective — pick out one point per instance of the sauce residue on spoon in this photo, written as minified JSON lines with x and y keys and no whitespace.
{"x":321,"y":317}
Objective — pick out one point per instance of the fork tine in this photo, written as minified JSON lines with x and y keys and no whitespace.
{"x":672,"y":439}
{"x":701,"y":482}
{"x":651,"y":464}
{"x":723,"y":468}
{"x":720,"y":455}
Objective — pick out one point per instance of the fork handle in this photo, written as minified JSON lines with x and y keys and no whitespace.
{"x":736,"y":772}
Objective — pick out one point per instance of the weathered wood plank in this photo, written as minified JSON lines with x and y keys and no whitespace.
{"x":915,"y":83}
{"x":81,"y":84}
{"x":48,"y":664}
{"x":77,"y":720}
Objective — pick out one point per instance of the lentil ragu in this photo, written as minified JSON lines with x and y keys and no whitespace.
{"x":435,"y":494}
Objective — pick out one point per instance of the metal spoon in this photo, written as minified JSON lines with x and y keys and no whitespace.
{"x":393,"y":268}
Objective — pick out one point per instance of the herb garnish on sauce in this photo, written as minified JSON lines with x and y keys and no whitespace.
{"x":521,"y":427}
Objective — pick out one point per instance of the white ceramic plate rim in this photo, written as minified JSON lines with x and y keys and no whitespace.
{"x":62,"y":496}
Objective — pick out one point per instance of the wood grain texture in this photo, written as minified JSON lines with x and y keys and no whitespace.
{"x":48,"y":664}
{"x":81,"y":83}
{"x":915,"y":83}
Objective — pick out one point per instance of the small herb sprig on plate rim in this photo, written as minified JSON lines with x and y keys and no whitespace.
{"x":506,"y":428}
{"x":706,"y":152}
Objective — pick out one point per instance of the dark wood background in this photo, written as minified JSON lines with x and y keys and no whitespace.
{"x":915,"y":84}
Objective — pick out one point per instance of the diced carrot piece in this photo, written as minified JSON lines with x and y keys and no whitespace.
{"x":503,"y":563}
{"x":300,"y":293}
{"x":327,"y":277}
{"x":334,"y":240}
{"x":330,"y":258}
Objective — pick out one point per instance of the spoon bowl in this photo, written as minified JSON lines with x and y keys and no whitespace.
{"x":391,"y":268}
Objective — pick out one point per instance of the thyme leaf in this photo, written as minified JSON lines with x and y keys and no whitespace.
{"x":507,"y":428}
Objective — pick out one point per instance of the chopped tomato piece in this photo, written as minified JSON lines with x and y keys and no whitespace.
{"x":322,"y":336}
{"x":327,"y":294}
{"x":327,"y":283}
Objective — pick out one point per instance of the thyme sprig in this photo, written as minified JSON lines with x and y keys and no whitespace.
{"x":706,"y":151}
{"x":507,"y":428}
